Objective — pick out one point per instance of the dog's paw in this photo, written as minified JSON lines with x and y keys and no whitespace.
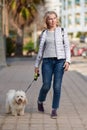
{"x":8,"y":112}
{"x":14,"y":114}
{"x":21,"y":113}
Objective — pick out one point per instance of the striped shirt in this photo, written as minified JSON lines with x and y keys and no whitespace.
{"x":50,"y":45}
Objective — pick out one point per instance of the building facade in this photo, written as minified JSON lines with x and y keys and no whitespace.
{"x":74,"y":15}
{"x":53,"y":5}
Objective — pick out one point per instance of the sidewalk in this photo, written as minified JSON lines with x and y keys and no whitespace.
{"x":79,"y":64}
{"x":72,"y":114}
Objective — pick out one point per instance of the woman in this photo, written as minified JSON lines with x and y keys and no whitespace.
{"x":56,"y":60}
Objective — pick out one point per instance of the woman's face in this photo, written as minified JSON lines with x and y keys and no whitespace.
{"x":51,"y":21}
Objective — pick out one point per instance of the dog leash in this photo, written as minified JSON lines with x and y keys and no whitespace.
{"x":35,"y":78}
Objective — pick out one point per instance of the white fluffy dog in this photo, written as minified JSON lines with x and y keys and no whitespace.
{"x":15,"y":102}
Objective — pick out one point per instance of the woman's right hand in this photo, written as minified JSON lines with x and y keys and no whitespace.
{"x":36,"y":75}
{"x":36,"y":70}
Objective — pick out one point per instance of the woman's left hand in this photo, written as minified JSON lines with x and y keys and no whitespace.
{"x":66,"y":66}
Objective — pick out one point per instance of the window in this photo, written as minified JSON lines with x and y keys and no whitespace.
{"x":85,"y":3}
{"x":77,"y":3}
{"x":64,"y":4}
{"x":77,"y":19}
{"x":69,"y":3}
{"x":64,"y":21}
{"x":70,"y":20}
{"x":86,"y":19}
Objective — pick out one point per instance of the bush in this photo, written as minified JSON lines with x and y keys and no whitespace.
{"x":12,"y":34}
{"x":37,"y":48}
{"x":79,"y":34}
{"x":10,"y":46}
{"x":29,"y":46}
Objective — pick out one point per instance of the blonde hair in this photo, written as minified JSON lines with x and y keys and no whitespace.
{"x":47,"y":15}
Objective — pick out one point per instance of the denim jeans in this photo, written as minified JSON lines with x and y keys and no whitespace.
{"x":52,"y":68}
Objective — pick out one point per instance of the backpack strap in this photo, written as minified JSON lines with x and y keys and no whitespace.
{"x":41,"y":34}
{"x":62,"y":31}
{"x":43,"y":30}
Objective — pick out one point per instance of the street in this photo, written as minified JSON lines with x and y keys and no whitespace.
{"x":72,"y":114}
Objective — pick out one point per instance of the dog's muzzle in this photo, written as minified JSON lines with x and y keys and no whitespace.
{"x":20,"y":101}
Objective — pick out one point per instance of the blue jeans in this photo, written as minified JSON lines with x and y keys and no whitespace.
{"x":52,"y":67}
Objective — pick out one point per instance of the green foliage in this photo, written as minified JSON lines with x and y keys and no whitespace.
{"x":12,"y":34}
{"x":10,"y":46}
{"x":29,"y":46}
{"x":38,"y":1}
{"x":13,"y":4}
{"x":23,"y":1}
{"x":25,"y":13}
{"x":78,"y":34}
{"x":37,"y":46}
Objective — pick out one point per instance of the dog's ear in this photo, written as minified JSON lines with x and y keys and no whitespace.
{"x":25,"y":101}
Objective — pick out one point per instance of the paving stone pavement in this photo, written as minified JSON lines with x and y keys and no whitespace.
{"x":79,"y":64}
{"x":72,"y":114}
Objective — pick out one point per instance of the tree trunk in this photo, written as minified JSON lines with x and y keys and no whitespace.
{"x":19,"y":41}
{"x":5,"y":26}
{"x":2,"y":45}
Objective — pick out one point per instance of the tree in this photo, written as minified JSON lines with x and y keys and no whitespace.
{"x":2,"y":45}
{"x":23,"y":12}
